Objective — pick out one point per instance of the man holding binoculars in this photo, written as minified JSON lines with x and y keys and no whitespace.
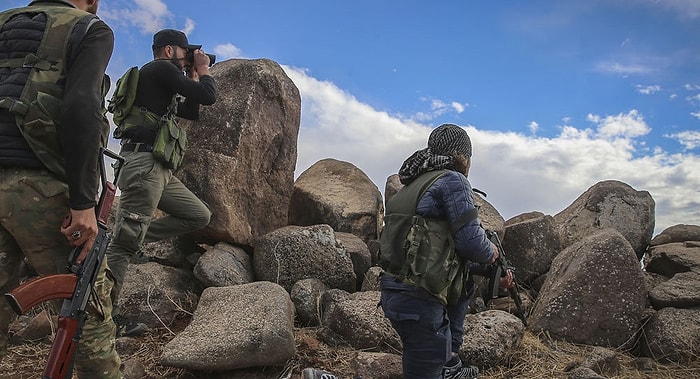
{"x":147,"y":181}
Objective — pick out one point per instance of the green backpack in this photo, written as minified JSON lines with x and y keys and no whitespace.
{"x":123,"y":97}
{"x":171,"y":140}
{"x":420,"y":251}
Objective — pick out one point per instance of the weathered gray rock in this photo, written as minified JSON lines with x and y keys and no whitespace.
{"x":236,"y":327}
{"x":293,"y":253}
{"x":677,"y":233}
{"x":358,"y":252}
{"x":243,"y":150}
{"x":306,"y":296}
{"x":155,"y":294}
{"x":609,"y":204}
{"x":603,"y":361}
{"x":672,"y":335}
{"x":371,"y":281}
{"x":339,"y":194}
{"x":672,"y":258}
{"x":391,"y":187}
{"x":594,"y":293}
{"x":489,"y":336}
{"x":224,"y":265}
{"x":681,"y":291}
{"x":489,"y":216}
{"x":358,"y":321}
{"x":530,"y":246}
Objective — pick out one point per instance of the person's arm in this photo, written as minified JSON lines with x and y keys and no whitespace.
{"x":470,"y":240}
{"x":83,"y":128}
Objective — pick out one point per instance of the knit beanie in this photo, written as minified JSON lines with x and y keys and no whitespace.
{"x":448,"y":138}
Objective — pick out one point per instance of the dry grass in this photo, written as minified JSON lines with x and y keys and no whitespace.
{"x":537,"y":357}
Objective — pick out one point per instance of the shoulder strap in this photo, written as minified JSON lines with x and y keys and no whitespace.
{"x":406,"y":199}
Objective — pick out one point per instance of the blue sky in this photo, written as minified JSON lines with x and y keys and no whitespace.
{"x":556,"y":95}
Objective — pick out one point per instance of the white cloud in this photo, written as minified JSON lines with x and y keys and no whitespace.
{"x":534,"y":127}
{"x":520,"y":173}
{"x":689,"y":139}
{"x":189,"y":26}
{"x":621,"y":126}
{"x":648,"y":90}
{"x":623,"y":68}
{"x":148,"y":16}
{"x":227,"y":51}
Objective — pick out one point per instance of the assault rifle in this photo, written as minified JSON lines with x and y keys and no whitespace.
{"x":501,"y":266}
{"x":75,"y":288}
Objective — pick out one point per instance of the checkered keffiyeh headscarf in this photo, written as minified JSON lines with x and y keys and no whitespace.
{"x":443,"y":141}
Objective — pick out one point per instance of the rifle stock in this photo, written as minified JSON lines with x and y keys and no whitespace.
{"x":41,"y":289}
{"x":501,"y":266}
{"x":75,"y":288}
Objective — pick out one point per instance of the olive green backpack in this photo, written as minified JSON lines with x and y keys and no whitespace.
{"x":171,"y":140}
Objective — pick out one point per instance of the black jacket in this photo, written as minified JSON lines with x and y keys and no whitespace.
{"x":159,"y":81}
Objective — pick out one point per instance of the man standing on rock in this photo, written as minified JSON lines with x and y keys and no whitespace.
{"x":425,"y":292}
{"x":153,"y":145}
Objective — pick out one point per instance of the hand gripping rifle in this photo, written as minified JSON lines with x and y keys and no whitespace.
{"x":501,"y":266}
{"x":74,"y":288}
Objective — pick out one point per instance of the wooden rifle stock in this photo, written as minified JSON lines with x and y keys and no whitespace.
{"x":41,"y":289}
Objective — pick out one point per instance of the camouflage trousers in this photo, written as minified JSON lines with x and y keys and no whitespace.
{"x":32,"y":206}
{"x":145,"y":185}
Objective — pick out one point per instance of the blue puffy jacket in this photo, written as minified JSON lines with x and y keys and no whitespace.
{"x":450,"y":197}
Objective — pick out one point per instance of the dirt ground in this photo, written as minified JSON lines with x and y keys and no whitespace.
{"x":536,"y":358}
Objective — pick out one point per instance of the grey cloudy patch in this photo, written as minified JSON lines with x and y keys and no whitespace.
{"x":520,"y":173}
{"x":148,"y":16}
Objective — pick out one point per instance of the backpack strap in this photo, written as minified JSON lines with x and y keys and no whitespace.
{"x":464,"y":219}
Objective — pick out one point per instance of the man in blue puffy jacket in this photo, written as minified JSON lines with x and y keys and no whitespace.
{"x":430,"y":328}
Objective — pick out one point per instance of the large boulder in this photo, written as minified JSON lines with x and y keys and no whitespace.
{"x":243,"y":150}
{"x":293,"y":253}
{"x":609,"y":204}
{"x":672,"y":335}
{"x":677,"y":233}
{"x":236,"y":327}
{"x":489,"y":336}
{"x":156,"y":295}
{"x":357,"y":320}
{"x":594,"y":293}
{"x":672,"y":258}
{"x":531,"y":245}
{"x":338,"y":194}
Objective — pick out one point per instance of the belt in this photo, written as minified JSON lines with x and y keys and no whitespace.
{"x":137,"y":147}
